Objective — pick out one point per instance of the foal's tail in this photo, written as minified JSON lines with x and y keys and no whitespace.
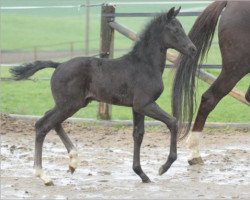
{"x":27,"y":70}
{"x":183,"y":93}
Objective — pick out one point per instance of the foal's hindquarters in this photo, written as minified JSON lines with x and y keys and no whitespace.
{"x":69,"y":88}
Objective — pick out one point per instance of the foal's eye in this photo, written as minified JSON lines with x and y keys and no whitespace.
{"x":167,"y":28}
{"x":177,"y":30}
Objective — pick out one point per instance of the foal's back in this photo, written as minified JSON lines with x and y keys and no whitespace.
{"x":86,"y":78}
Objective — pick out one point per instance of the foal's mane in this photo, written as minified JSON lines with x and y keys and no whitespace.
{"x":158,"y":22}
{"x":153,"y":27}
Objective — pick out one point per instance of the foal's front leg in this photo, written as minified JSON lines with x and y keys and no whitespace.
{"x":154,"y":111}
{"x":138,"y":134}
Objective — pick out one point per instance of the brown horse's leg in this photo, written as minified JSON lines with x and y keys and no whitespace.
{"x":154,"y":111}
{"x":69,"y":146}
{"x":138,"y":133}
{"x":220,"y":88}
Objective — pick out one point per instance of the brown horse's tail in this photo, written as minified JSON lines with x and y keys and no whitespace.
{"x":183,"y":92}
{"x":25,"y":71}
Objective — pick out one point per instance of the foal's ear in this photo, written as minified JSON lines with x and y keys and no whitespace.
{"x":171,"y":13}
{"x":177,"y":11}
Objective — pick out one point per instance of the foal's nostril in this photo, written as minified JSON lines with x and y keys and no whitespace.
{"x":193,"y":49}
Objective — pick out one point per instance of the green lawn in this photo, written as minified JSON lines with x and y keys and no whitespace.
{"x":34,"y":98}
{"x":24,"y":29}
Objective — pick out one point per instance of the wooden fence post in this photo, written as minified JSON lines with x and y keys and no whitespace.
{"x":106,"y":51}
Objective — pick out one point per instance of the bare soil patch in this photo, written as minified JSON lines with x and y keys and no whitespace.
{"x":105,"y":164}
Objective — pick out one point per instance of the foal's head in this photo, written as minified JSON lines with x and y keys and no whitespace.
{"x":172,"y":33}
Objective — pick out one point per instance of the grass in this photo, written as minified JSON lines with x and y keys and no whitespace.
{"x":34,"y":98}
{"x":23,"y":29}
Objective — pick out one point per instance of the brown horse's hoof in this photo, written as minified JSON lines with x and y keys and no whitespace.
{"x":196,"y":161}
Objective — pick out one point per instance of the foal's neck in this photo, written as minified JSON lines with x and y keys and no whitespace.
{"x":151,"y":53}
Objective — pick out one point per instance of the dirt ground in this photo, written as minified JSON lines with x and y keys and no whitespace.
{"x":105,"y":164}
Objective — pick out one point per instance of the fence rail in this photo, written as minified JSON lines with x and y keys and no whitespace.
{"x":108,"y":26}
{"x":183,"y":14}
{"x":130,"y":122}
{"x":108,"y":17}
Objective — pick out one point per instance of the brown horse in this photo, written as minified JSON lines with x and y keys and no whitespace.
{"x":234,"y":41}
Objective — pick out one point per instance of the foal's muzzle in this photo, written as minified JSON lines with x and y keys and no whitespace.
{"x":191,"y":51}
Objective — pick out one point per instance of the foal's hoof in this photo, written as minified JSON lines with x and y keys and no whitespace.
{"x":162,"y":170}
{"x":43,"y":176}
{"x":73,"y":156}
{"x":71,"y":170}
{"x":146,"y":180}
{"x":196,"y":161}
{"x":49,"y":183}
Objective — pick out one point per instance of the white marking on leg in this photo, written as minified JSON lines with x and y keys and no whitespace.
{"x":73,"y":156}
{"x":41,"y":174}
{"x":193,"y":141}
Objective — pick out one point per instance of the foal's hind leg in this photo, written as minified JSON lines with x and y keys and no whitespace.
{"x":220,"y":88}
{"x":69,"y":146}
{"x":138,"y":133}
{"x":50,"y":120}
{"x":41,"y":131}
